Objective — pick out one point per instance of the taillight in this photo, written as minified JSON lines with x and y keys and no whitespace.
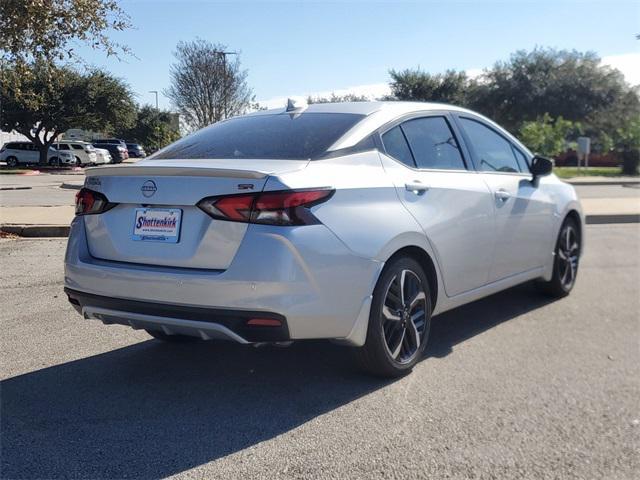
{"x":89,"y":202}
{"x":288,"y":207}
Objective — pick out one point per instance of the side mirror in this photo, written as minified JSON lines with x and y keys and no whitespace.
{"x":541,"y":166}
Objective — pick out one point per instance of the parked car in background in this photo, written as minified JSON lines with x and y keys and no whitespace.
{"x":135,"y":150}
{"x":83,"y":152}
{"x":26,"y":153}
{"x":110,"y":140}
{"x":102,"y":156}
{"x":117,"y":149}
{"x":349,"y":221}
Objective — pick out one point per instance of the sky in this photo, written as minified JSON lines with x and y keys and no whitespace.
{"x":301,"y":48}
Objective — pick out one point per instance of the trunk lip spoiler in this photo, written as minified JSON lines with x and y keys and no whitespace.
{"x":169,"y":171}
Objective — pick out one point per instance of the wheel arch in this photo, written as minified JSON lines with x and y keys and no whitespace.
{"x":358,"y":333}
{"x":575,"y":214}
{"x":426,"y":262}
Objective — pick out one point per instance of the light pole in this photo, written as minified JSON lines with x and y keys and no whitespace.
{"x":156,"y":92}
{"x":224,"y":78}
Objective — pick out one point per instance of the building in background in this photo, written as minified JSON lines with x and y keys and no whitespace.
{"x":11,"y":137}
{"x":78,"y":134}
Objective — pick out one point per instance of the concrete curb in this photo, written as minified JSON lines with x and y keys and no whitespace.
{"x":72,"y":186}
{"x":39,"y":231}
{"x":584,"y":183}
{"x":44,"y":231}
{"x":622,"y":218}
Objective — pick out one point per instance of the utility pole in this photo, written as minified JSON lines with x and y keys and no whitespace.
{"x":156,"y":92}
{"x":224,"y":79}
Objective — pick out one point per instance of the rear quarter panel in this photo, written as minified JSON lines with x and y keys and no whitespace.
{"x":365,"y":212}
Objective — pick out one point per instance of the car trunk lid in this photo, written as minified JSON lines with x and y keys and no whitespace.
{"x":172,"y":186}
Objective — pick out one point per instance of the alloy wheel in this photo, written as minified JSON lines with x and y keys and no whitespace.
{"x":568,"y":256}
{"x":404,"y":316}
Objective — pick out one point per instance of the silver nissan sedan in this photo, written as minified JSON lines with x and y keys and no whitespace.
{"x":356,"y":222}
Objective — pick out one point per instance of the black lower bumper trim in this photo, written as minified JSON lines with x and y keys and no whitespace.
{"x":234,"y":320}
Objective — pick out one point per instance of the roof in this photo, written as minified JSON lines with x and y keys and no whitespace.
{"x":366,"y":108}
{"x":378,"y":114}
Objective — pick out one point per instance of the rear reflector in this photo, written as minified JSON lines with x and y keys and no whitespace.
{"x":264,"y":322}
{"x":287,"y":208}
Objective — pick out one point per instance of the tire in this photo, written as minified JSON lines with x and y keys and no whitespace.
{"x":391,"y":349}
{"x":157,"y":334}
{"x":566,"y":261}
{"x":12,"y":162}
{"x":54,"y":162}
{"x":78,"y":162}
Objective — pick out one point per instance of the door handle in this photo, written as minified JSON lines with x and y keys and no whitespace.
{"x":416,"y":187}
{"x":502,"y":195}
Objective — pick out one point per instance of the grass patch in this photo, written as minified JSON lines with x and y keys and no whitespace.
{"x":568,"y":172}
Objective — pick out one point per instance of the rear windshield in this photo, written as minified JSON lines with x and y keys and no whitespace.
{"x":278,"y":136}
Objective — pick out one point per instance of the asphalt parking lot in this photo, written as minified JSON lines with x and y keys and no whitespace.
{"x":513,"y":386}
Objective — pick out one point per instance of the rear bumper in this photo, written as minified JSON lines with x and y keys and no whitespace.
{"x":206,"y":323}
{"x":304,"y":276}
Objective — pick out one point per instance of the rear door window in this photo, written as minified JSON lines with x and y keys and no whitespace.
{"x":395,"y":144}
{"x":433,"y":144}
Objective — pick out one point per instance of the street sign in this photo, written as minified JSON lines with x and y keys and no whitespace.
{"x":584,"y":149}
{"x":584,"y":145}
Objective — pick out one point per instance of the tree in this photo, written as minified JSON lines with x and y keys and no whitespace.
{"x":349,"y":97}
{"x":56,"y":99}
{"x":44,"y":30}
{"x":416,"y":85}
{"x":152,"y":128}
{"x":564,"y":83}
{"x":205,"y":86}
{"x":626,"y":140}
{"x":546,"y":136}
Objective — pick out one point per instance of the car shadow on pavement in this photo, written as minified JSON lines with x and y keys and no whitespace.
{"x":456,"y":326}
{"x":152,"y":410}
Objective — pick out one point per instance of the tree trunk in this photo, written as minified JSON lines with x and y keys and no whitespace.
{"x":630,"y":161}
{"x":44,"y":153}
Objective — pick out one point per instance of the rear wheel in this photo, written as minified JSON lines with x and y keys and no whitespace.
{"x":54,"y":162}
{"x":399,"y":321}
{"x":12,"y":162}
{"x":567,"y":258}
{"x":157,"y":334}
